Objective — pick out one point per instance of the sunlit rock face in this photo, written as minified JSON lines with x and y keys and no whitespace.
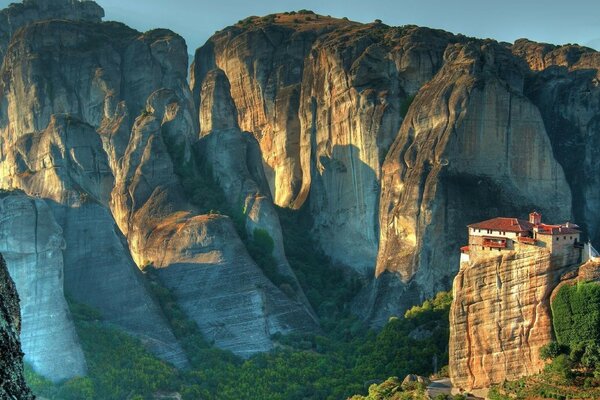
{"x":32,"y":243}
{"x":58,"y":108}
{"x":388,"y":195}
{"x":324,"y":122}
{"x":200,"y":257}
{"x":12,"y":382}
{"x":501,"y":317}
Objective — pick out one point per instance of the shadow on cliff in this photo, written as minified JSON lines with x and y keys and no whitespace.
{"x":345,"y":192}
{"x":575,"y":146}
{"x":461,"y":199}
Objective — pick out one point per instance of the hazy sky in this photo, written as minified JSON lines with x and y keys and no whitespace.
{"x":554,"y":21}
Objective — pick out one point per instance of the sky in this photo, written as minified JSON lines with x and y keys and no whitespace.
{"x":552,"y":21}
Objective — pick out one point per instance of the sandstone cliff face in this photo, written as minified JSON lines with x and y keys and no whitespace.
{"x":469,"y":134}
{"x":500,"y":317}
{"x":324,"y":122}
{"x":98,"y":119}
{"x":234,"y":159}
{"x":12,"y":383}
{"x":52,"y":148}
{"x":199,"y":257}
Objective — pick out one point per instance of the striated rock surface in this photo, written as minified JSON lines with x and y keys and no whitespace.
{"x":32,"y":244}
{"x":12,"y":382}
{"x":99,"y":119}
{"x":17,"y":15}
{"x":472,"y":146}
{"x":501,"y":317}
{"x":199,"y":257}
{"x":324,"y":122}
{"x":234,"y":159}
{"x":54,"y":148}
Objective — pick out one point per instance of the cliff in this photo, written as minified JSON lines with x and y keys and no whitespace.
{"x":323,"y":97}
{"x":12,"y":383}
{"x":563,"y":84}
{"x":470,"y":134}
{"x":340,"y":134}
{"x":501,"y":317}
{"x":98,"y":121}
{"x":32,"y":244}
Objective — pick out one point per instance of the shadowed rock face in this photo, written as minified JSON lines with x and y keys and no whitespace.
{"x":12,"y":383}
{"x":32,"y":244}
{"x":563,"y":84}
{"x":469,"y":133}
{"x":55,"y":148}
{"x":235,"y":161}
{"x":387,"y":193}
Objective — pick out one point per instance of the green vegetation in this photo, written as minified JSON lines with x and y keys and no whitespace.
{"x":576,"y":314}
{"x":392,"y":389}
{"x":260,"y":247}
{"x":335,"y":365}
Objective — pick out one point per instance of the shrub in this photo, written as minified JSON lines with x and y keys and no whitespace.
{"x":562,"y":367}
{"x":576,"y":313}
{"x":552,"y":350}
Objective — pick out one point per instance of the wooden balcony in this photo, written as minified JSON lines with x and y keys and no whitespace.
{"x":527,"y":240}
{"x":495,"y":243}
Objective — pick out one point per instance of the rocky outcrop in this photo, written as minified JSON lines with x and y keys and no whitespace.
{"x":12,"y":382}
{"x":98,"y":120}
{"x":333,"y":136}
{"x":54,"y":148}
{"x":199,"y":257}
{"x":469,"y":134}
{"x":32,"y":244}
{"x":17,"y":15}
{"x":324,"y":122}
{"x":500,"y":316}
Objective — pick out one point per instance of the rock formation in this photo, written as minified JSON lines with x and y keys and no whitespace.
{"x":17,"y":15}
{"x":501,"y":317}
{"x":98,"y":120}
{"x":563,"y":84}
{"x":324,"y":122}
{"x":32,"y":244}
{"x":469,"y":134}
{"x":12,"y":383}
{"x":234,"y":159}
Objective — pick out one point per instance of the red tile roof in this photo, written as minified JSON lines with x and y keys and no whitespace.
{"x":557,"y":229}
{"x":504,"y":224}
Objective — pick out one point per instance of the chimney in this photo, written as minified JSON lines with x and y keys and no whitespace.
{"x":535,"y":218}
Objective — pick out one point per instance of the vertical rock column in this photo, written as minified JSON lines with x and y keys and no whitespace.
{"x":32,"y":243}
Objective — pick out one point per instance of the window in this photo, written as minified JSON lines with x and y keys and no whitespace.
{"x":557,"y":238}
{"x":564,"y":237}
